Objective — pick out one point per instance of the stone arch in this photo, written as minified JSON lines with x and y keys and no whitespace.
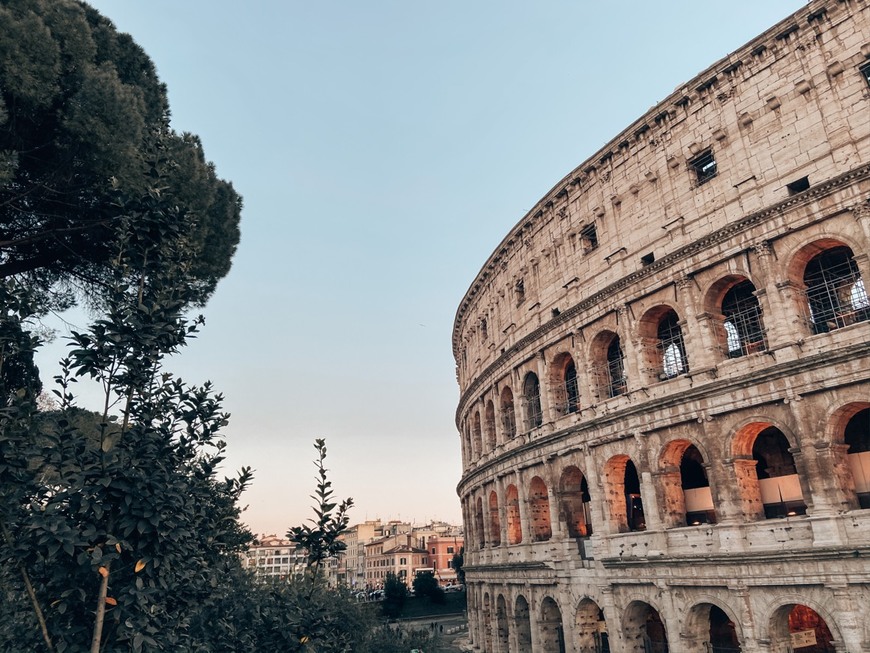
{"x":478,"y":523}
{"x":849,"y":426}
{"x":574,"y":502}
{"x":489,"y":425}
{"x":764,"y":467}
{"x":477,"y":441}
{"x":708,"y":626}
{"x":608,"y":364}
{"x":512,"y":510}
{"x":532,"y":401}
{"x":798,"y":622}
{"x":494,"y":520}
{"x":833,"y":291}
{"x":737,"y":323}
{"x":508,"y":413}
{"x":590,"y":628}
{"x":539,"y":509}
{"x":687,"y":498}
{"x":564,"y":385}
{"x":624,"y":499}
{"x":487,"y":623}
{"x":664,"y":347}
{"x":523,"y":624}
{"x":502,"y":637}
{"x":643,"y":629}
{"x":552,"y":631}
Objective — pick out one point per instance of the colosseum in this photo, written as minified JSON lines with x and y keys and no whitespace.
{"x":665,"y":373}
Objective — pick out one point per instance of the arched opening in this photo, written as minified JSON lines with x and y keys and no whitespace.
{"x":644,"y":630}
{"x":801,"y":629}
{"x":572,"y":390}
{"x":624,"y":500}
{"x":608,"y":365}
{"x":723,"y":632}
{"x":686,"y":498}
{"x":575,"y":500}
{"x":487,"y":623}
{"x":475,"y":435}
{"x":696,"y":488}
{"x":502,"y":637}
{"x":508,"y":415}
{"x":778,"y":481}
{"x":523,"y":624}
{"x":633,"y":500}
{"x":835,"y":292}
{"x":552,"y":633}
{"x":741,"y":320}
{"x":489,"y":425}
{"x":512,"y":509}
{"x":494,"y":520}
{"x":539,"y":507}
{"x":670,"y":346}
{"x":616,"y":381}
{"x":532,"y":399}
{"x":857,"y":438}
{"x":478,"y":523}
{"x":590,"y":628}
{"x":563,"y":384}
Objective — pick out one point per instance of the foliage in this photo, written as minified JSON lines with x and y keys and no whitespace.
{"x":115,"y":535}
{"x":321,"y":540}
{"x":395,"y":593}
{"x":458,"y":561}
{"x":84,"y":121}
{"x":426,"y":586}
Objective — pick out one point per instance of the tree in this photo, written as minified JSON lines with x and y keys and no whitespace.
{"x":458,"y":561}
{"x":84,"y":127}
{"x":321,"y":540}
{"x":395,"y":593}
{"x":426,"y":585}
{"x":116,"y":534}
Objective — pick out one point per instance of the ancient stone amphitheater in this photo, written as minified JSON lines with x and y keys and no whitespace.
{"x":665,"y":373}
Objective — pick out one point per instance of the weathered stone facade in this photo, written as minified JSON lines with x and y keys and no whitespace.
{"x":665,"y":373}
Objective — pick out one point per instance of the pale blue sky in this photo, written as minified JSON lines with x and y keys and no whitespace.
{"x":383,"y":150}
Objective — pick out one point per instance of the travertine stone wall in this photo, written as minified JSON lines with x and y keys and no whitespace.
{"x":665,"y":372}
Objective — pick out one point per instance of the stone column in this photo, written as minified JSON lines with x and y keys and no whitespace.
{"x":777,"y":300}
{"x":700,"y":352}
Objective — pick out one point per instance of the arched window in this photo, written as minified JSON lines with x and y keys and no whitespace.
{"x":512,"y":510}
{"x":835,"y":291}
{"x":616,"y":382}
{"x":696,"y":488}
{"x":475,"y":435}
{"x":633,"y":500}
{"x":489,"y":425}
{"x":778,"y":480}
{"x":532,"y":397}
{"x":508,"y":416}
{"x":572,"y":390}
{"x":552,"y":632}
{"x":672,"y":350}
{"x":494,"y":520}
{"x":744,"y":333}
{"x":857,"y":438}
{"x":478,"y":523}
{"x":622,"y":490}
{"x":539,"y":507}
{"x":574,"y":496}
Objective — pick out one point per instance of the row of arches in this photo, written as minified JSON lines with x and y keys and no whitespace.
{"x":764,"y":481}
{"x":831,"y":295}
{"x":512,"y":625}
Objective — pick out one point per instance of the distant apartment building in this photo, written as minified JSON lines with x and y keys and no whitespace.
{"x":396,"y":554}
{"x":274,"y":557}
{"x":441,"y":549}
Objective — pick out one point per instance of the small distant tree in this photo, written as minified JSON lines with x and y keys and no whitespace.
{"x":458,"y":560}
{"x":320,"y":539}
{"x":395,"y":593}
{"x":426,"y":586}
